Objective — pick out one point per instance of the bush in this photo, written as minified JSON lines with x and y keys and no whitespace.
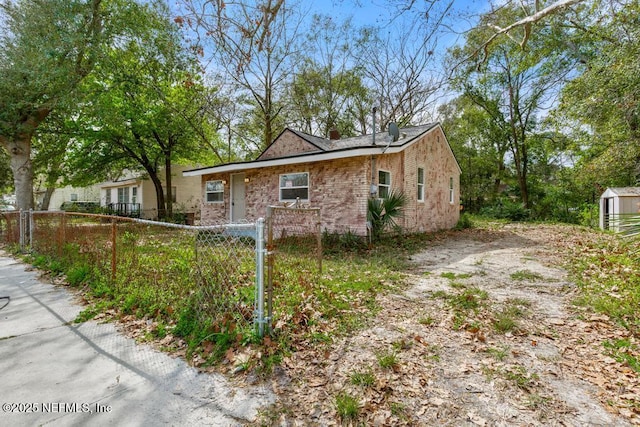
{"x":348,"y":241}
{"x":382,"y":213}
{"x":464,"y":222}
{"x":507,"y":209}
{"x":78,"y":275}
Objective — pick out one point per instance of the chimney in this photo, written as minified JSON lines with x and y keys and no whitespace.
{"x":334,"y":134}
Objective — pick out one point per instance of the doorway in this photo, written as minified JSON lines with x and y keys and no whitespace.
{"x":238,"y":207}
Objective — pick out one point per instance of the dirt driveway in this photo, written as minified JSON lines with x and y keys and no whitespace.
{"x":485,"y":335}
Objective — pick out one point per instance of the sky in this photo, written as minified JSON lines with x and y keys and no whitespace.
{"x":461,"y":17}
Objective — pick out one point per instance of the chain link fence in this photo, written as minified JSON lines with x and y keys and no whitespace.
{"x":228,"y":277}
{"x":204,"y":281}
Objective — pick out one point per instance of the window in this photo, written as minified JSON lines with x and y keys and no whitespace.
{"x":294,"y":186}
{"x":107,"y":199}
{"x":421,"y":184}
{"x":134,"y":194}
{"x":123,"y":195}
{"x":384,"y":184}
{"x":214,"y":191}
{"x":451,"y":195}
{"x":74,"y":197}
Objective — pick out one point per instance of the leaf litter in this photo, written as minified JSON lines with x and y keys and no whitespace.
{"x":485,"y":335}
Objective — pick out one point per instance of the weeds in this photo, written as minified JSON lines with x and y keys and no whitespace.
{"x":399,"y":410}
{"x":519,"y":376}
{"x":624,"y":351}
{"x":387,"y":360}
{"x":347,"y":407}
{"x":469,"y":299}
{"x":499,"y":353}
{"x":363,"y":378}
{"x":426,"y":321}
{"x":609,"y":278}
{"x":453,"y":276}
{"x":522,"y":275}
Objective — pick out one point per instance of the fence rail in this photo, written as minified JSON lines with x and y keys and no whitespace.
{"x":625,"y":224}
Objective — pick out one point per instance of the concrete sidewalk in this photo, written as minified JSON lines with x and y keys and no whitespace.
{"x":55,"y":372}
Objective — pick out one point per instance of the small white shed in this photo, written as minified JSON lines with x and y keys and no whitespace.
{"x":616,"y":204}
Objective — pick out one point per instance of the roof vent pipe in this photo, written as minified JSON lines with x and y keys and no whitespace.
{"x":374,"y":125}
{"x":374,"y":188}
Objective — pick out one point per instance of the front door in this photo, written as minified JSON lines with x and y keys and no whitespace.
{"x":238,"y":210}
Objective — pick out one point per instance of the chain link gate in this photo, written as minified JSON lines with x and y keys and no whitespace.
{"x":291,"y":232}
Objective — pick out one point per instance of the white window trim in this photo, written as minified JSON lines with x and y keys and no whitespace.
{"x":451,"y":194}
{"x":384,"y":185}
{"x":125,"y":193}
{"x":420,"y":185}
{"x":308,"y":187}
{"x":206,"y":193}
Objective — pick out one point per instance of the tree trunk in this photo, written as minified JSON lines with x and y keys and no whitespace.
{"x":162,"y":213}
{"x":47,"y":198}
{"x":20,"y":152}
{"x":167,"y":179}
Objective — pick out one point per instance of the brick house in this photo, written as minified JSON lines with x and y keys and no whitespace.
{"x":338,"y":176}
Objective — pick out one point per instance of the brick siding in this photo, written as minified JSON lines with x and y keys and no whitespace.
{"x":340,"y":187}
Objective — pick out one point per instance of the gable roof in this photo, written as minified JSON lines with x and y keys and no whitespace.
{"x":327,"y":149}
{"x":622,"y":192}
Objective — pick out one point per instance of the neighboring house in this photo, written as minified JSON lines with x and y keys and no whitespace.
{"x":66,"y":195}
{"x":338,"y":176}
{"x":135,"y":194}
{"x":617,"y":204}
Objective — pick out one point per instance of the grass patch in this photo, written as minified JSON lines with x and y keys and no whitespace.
{"x":607,"y":271}
{"x":363,"y":378}
{"x":454,"y":276}
{"x":506,"y":320}
{"x":399,"y":410}
{"x":457,"y":285}
{"x":387,"y":360}
{"x":519,"y":376}
{"x":427,"y":321}
{"x":209,"y":304}
{"x":625,"y":352}
{"x":500,"y":353}
{"x":347,"y":407}
{"x":504,"y":323}
{"x":522,"y":275}
{"x":469,"y":299}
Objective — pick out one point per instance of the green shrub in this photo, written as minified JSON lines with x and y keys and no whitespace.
{"x":382,"y":213}
{"x":78,"y":275}
{"x":464,"y":222}
{"x":507,"y":209}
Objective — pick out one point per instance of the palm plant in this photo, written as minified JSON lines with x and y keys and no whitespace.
{"x":382,"y":213}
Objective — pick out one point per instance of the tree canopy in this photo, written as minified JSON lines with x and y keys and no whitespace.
{"x":46,"y":49}
{"x":539,"y":98}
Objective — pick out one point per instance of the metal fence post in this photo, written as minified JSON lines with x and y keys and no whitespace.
{"x":260,"y":318}
{"x":319,"y":242}
{"x":31,"y":230}
{"x":21,"y":228}
{"x":270,"y":265}
{"x":113,"y":250}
